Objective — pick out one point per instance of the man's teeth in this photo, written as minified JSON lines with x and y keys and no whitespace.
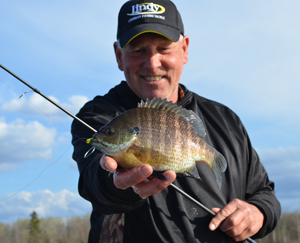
{"x":153,"y":78}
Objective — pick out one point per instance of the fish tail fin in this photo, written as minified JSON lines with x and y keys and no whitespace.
{"x":219,"y":165}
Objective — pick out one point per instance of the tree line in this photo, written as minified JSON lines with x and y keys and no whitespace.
{"x":76,"y":230}
{"x":287,"y":230}
{"x":46,"y":230}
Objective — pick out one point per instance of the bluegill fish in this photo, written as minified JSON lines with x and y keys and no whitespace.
{"x":161,"y":134}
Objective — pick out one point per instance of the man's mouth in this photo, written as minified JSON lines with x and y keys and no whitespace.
{"x":152,"y":78}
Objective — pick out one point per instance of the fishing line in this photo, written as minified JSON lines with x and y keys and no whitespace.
{"x":36,"y":177}
{"x":82,"y":139}
{"x":42,"y":171}
{"x":51,"y":118}
{"x":32,"y":103}
{"x":47,"y":98}
{"x":94,"y":130}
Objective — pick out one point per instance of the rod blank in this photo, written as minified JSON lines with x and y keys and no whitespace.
{"x":47,"y":98}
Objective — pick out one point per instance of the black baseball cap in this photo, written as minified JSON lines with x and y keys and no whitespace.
{"x":142,"y":16}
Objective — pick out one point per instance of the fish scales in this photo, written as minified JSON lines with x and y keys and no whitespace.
{"x":161,"y":134}
{"x":152,"y":133}
{"x":173,"y":145}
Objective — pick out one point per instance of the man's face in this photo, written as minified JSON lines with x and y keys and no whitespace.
{"x":153,"y":65}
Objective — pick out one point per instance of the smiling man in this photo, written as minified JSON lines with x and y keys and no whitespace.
{"x":133,"y":206}
{"x":153,"y":65}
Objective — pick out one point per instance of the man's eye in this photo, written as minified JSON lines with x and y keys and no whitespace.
{"x":164,"y":49}
{"x":137,"y":51}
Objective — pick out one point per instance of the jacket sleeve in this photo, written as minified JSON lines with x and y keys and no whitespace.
{"x":246,"y":176}
{"x":260,"y":190}
{"x":95,"y":184}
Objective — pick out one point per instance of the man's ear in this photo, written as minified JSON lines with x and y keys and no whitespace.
{"x":185,"y":47}
{"x":118,"y":53}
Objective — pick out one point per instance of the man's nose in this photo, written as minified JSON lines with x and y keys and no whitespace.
{"x":152,"y":61}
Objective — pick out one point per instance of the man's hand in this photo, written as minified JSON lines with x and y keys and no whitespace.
{"x":137,"y":178}
{"x":238,"y":219}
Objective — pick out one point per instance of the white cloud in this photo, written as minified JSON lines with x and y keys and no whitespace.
{"x":281,"y":161}
{"x":22,"y":141}
{"x":75,"y":103}
{"x":6,"y":167}
{"x":283,"y":167}
{"x":46,"y":203}
{"x":37,"y":105}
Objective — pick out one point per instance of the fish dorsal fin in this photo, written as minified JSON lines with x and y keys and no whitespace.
{"x":187,"y":115}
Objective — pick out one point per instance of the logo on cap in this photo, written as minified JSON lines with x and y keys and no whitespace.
{"x":146,"y":8}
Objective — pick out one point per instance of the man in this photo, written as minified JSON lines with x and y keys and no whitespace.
{"x":151,"y":51}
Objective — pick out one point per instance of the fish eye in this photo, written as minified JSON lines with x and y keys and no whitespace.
{"x":109,"y":131}
{"x":135,"y":130}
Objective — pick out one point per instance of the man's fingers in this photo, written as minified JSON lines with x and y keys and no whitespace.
{"x":153,"y":186}
{"x":124,"y":179}
{"x":108,"y":163}
{"x":137,"y":177}
{"x":222,"y":215}
{"x":238,"y":219}
{"x":215,"y":210}
{"x":235,"y":224}
{"x":238,"y":229}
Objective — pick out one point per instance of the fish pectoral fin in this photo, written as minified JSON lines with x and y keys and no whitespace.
{"x":148,"y":156}
{"x":135,"y":151}
{"x":191,"y":173}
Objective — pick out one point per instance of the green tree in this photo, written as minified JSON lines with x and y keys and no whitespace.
{"x":35,"y":233}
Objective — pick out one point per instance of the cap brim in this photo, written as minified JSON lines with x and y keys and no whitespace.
{"x":166,"y":31}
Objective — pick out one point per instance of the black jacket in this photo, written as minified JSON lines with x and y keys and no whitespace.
{"x":168,"y":216}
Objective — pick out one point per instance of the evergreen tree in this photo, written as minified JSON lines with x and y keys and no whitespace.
{"x":35,"y":233}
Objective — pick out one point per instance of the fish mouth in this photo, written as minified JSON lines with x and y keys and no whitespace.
{"x":110,"y":149}
{"x":107,"y":148}
{"x":95,"y":139}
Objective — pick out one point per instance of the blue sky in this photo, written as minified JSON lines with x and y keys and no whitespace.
{"x":244,"y":54}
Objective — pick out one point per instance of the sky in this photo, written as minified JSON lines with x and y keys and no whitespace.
{"x":244,"y":54}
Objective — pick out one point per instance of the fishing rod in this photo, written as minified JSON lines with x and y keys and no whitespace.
{"x":94,"y":130}
{"x":47,"y":98}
